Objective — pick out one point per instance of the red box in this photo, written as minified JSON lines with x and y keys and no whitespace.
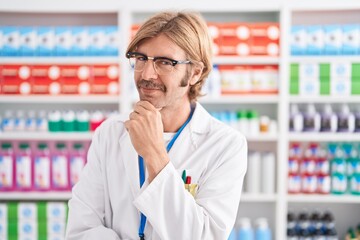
{"x":105,"y":79}
{"x":16,"y":79}
{"x":45,"y":79}
{"x":75,"y":79}
{"x":234,"y":46}
{"x":265,"y":39}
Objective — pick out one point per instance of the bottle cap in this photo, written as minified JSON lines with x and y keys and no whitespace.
{"x":241,"y":114}
{"x":261,"y":223}
{"x":60,"y":145}
{"x":23,"y":145}
{"x":252,"y":114}
{"x":244,"y":223}
{"x":42,"y":146}
{"x":6,"y":145}
{"x":77,"y":146}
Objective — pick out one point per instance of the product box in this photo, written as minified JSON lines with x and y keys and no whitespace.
{"x":234,"y":39}
{"x":324,"y":86}
{"x":3,"y":229}
{"x":60,"y":172}
{"x":350,"y":39}
{"x":294,"y":87}
{"x":308,"y":71}
{"x":16,"y":79}
{"x":27,"y":211}
{"x":340,"y":70}
{"x":28,"y":41}
{"x":238,"y":30}
{"x":11,"y":41}
{"x":264,"y":39}
{"x":315,"y":40}
{"x":264,"y":47}
{"x":80,"y":43}
{"x":235,"y":79}
{"x":56,"y":211}
{"x":340,"y":87}
{"x":265,"y":79}
{"x":309,"y":87}
{"x":333,"y":39}
{"x":214,"y":30}
{"x":45,"y":79}
{"x":112,"y":44}
{"x":234,"y":47}
{"x":63,"y":41}
{"x":56,"y":228}
{"x":298,"y":40}
{"x":45,"y":41}
{"x":27,"y":229}
{"x":355,"y":87}
{"x":97,"y":37}
{"x":1,"y":41}
{"x":75,"y":79}
{"x":105,"y":79}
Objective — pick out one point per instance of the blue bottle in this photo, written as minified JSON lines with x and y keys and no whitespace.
{"x":245,"y":231}
{"x":263,"y":231}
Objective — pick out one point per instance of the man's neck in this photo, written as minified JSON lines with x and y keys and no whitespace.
{"x":174,"y":118}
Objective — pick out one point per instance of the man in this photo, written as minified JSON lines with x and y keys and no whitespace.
{"x":191,"y":165}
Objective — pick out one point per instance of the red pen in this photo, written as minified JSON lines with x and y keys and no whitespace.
{"x":188,"y":180}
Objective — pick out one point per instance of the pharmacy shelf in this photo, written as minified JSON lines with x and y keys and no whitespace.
{"x":59,"y":60}
{"x":247,"y":197}
{"x":317,"y":198}
{"x":325,"y":59}
{"x":323,"y":5}
{"x":238,"y":99}
{"x":46,"y":136}
{"x":324,"y":99}
{"x":263,"y":137}
{"x":43,"y":196}
{"x":30,"y":99}
{"x":324,"y":137}
{"x":246,"y":60}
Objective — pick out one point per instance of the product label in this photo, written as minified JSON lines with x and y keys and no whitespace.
{"x":294,"y":184}
{"x":6,"y":171}
{"x":76,"y":166}
{"x":323,"y":184}
{"x":23,"y":171}
{"x":309,"y":184}
{"x":339,"y":183}
{"x":60,"y":172}
{"x":42,"y":172}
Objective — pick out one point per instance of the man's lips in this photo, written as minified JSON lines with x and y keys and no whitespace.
{"x":149,"y":85}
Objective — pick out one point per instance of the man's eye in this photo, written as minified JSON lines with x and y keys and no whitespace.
{"x":141,"y":58}
{"x":164,"y":62}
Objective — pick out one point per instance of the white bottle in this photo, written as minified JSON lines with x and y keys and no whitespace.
{"x":253,"y":173}
{"x":311,"y":119}
{"x":329,"y":120}
{"x":346,"y":121}
{"x":19,"y":123}
{"x":268,"y":173}
{"x":215,"y":82}
{"x":8,"y":121}
{"x":296,"y":119}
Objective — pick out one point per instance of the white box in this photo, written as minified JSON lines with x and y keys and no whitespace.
{"x":80,"y":44}
{"x":27,"y":229}
{"x":3,"y":229}
{"x":298,"y":40}
{"x":45,"y":41}
{"x":56,"y":227}
{"x":11,"y":41}
{"x":315,"y":40}
{"x":112,"y":41}
{"x":56,"y":211}
{"x":340,"y":87}
{"x":63,"y":41}
{"x":97,"y":36}
{"x":309,"y":70}
{"x":28,"y":41}
{"x":340,"y":69}
{"x":310,"y":87}
{"x":351,"y":39}
{"x":27,"y":211}
{"x":3,"y":212}
{"x":333,"y":39}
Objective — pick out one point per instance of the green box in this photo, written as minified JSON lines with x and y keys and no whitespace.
{"x":294,"y":87}
{"x":324,"y":87}
{"x":324,"y":70}
{"x":355,"y":70}
{"x":355,"y":88}
{"x":294,"y":70}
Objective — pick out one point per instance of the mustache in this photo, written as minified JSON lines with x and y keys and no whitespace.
{"x":150,"y":85}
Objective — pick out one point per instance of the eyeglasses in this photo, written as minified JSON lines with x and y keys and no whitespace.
{"x":162,"y":65}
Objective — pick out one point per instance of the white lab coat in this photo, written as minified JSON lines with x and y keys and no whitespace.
{"x":106,"y":202}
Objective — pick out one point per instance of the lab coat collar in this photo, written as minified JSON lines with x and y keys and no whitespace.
{"x":200,"y":121}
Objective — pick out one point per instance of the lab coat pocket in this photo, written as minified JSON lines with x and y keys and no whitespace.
{"x":190,"y":178}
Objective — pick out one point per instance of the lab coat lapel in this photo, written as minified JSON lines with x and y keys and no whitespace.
{"x":129,"y":158}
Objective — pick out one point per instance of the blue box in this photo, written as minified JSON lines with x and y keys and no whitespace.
{"x":112,"y":41}
{"x":298,"y":42}
{"x":11,"y":41}
{"x":97,"y":36}
{"x":351,"y":39}
{"x":46,"y":41}
{"x":63,"y":41}
{"x":28,"y":41}
{"x":80,"y":36}
{"x":333,"y":39}
{"x":315,"y":40}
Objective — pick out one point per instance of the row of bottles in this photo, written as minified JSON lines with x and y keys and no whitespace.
{"x":327,"y":120}
{"x":53,"y":121}
{"x":244,"y":231}
{"x":33,"y":220}
{"x":41,"y":166}
{"x":247,"y":121}
{"x":353,"y":233}
{"x":324,"y":169}
{"x":311,"y":226}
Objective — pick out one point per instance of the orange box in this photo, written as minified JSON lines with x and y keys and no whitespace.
{"x":75,"y":79}
{"x":264,"y":79}
{"x":269,"y":30}
{"x":45,"y":79}
{"x":264,"y":47}
{"x":234,"y":46}
{"x":16,"y":79}
{"x":237,"y":30}
{"x":265,"y":39}
{"x":235,"y":79}
{"x":105,"y":79}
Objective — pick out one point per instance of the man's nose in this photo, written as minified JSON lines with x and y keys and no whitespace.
{"x":149,"y":71}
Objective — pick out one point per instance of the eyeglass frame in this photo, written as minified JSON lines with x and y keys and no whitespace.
{"x":174,"y":62}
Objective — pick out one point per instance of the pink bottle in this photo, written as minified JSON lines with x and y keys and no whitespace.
{"x":60,"y":168}
{"x":77,"y":162}
{"x":23,"y":168}
{"x":42,"y":167}
{"x":7,"y":165}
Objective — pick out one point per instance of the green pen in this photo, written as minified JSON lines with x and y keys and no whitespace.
{"x":184,"y":176}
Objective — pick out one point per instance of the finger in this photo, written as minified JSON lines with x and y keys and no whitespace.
{"x":145,"y":104}
{"x":134,"y":116}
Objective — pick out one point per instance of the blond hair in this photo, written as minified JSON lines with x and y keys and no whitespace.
{"x":189,"y":31}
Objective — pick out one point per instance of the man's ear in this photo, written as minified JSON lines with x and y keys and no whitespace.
{"x":196,"y":73}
